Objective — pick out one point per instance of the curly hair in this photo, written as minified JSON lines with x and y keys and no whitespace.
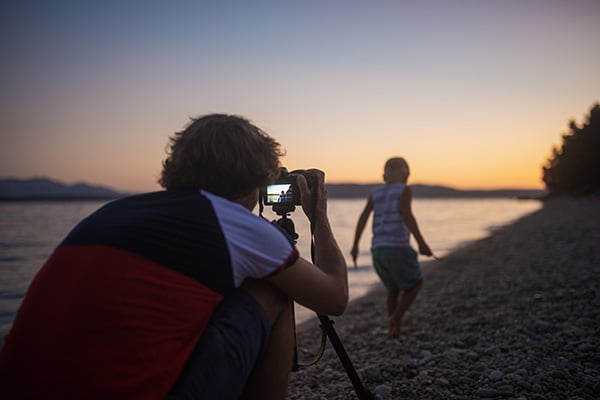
{"x":223,"y":154}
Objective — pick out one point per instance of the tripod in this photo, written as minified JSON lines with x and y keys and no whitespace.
{"x":326,"y":326}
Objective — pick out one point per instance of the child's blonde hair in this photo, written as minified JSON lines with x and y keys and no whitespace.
{"x":396,"y":168}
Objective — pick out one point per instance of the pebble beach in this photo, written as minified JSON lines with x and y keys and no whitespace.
{"x":513,"y":316}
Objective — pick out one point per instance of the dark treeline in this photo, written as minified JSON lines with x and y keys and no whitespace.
{"x":574,"y":169}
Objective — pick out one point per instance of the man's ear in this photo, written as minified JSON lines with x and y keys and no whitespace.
{"x":249,"y":200}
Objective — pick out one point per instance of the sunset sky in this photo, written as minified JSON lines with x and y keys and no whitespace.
{"x":474,"y":94}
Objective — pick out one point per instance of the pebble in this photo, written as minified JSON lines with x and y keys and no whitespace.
{"x":443,"y":382}
{"x":383,"y":390}
{"x":496,"y":375}
{"x":486,"y":392}
{"x":585,"y":347}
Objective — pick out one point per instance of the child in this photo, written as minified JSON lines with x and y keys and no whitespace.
{"x":394,"y":260}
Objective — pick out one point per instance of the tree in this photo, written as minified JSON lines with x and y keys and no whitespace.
{"x":574,"y":169}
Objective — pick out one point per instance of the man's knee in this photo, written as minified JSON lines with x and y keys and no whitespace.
{"x":272,"y":300}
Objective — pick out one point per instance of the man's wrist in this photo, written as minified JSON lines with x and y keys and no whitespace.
{"x":321,"y":222}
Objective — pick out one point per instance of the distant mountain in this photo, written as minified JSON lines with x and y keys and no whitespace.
{"x":352,"y":190}
{"x":48,"y":189}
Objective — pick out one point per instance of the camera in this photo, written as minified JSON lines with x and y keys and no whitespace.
{"x":284,"y":191}
{"x":284,"y":194}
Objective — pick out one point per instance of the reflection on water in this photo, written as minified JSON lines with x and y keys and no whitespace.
{"x":29,"y":231}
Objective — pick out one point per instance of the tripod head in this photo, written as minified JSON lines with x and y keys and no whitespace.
{"x":288,"y":226}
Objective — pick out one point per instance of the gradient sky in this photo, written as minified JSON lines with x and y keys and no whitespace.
{"x":474,"y":94}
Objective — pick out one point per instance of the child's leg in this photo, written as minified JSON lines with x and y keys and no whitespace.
{"x":392,"y":301}
{"x":392,"y":305}
{"x":406,"y":300}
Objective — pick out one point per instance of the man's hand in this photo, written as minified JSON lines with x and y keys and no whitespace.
{"x":313,"y":207}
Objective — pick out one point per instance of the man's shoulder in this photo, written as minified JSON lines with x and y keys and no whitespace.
{"x":159,"y":195}
{"x":173,"y":203}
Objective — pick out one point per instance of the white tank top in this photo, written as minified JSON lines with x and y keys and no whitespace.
{"x":389,"y":228}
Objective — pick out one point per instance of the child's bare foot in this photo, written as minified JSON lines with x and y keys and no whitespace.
{"x":395,"y":329}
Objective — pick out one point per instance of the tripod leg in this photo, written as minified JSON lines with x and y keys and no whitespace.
{"x":361,"y":391}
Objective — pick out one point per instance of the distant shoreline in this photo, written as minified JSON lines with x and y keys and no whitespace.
{"x":333,"y":192}
{"x":45,"y":189}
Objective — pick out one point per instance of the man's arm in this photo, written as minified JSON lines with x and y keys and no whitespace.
{"x":322,"y":286}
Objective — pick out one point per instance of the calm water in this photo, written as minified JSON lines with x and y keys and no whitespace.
{"x":29,"y":231}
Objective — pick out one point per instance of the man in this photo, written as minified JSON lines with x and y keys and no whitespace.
{"x":183,"y":293}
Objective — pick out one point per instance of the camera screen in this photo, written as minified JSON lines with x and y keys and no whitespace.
{"x":279,"y":193}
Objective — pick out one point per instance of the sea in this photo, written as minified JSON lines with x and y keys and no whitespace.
{"x":30,"y":230}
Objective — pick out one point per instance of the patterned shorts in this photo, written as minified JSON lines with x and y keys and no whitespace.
{"x":397,"y":267}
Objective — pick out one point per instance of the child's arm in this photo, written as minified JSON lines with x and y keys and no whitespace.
{"x":411,"y":222}
{"x":362,"y":221}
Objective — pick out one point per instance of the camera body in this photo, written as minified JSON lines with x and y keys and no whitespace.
{"x":284,"y":191}
{"x":284,"y":194}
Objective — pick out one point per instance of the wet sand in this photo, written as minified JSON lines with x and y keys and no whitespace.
{"x":515,"y":315}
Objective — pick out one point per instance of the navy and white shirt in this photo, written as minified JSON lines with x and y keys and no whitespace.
{"x":389,"y":229}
